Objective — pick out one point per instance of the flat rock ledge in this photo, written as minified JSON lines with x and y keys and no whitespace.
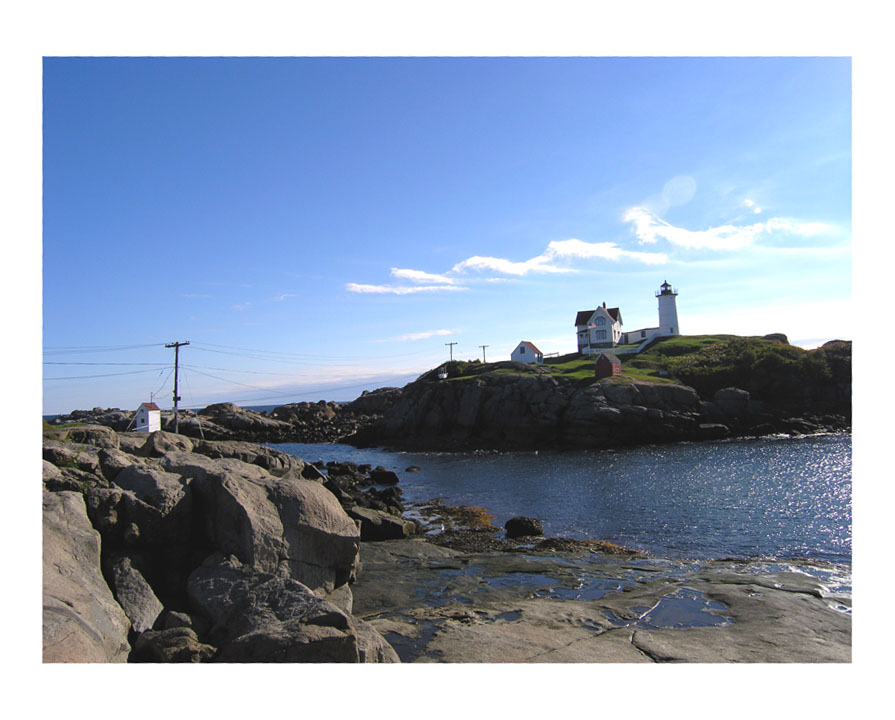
{"x":435,"y":604}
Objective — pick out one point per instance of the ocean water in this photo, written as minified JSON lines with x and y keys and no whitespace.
{"x":782,"y":499}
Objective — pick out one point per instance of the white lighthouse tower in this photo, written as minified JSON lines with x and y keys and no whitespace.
{"x":667,"y":310}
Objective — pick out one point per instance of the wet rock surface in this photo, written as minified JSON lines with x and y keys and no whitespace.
{"x":436,"y":604}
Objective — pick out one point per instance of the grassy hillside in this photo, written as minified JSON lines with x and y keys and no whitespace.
{"x":766,"y":368}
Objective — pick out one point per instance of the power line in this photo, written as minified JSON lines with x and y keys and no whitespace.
{"x":234,"y":382}
{"x":81,"y":377}
{"x":303,"y":393}
{"x":163,"y":382}
{"x":251,"y":372}
{"x":48,"y":362}
{"x":298,"y":357}
{"x":72,"y":349}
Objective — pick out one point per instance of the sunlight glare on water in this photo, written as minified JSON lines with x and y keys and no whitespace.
{"x":773,"y":498}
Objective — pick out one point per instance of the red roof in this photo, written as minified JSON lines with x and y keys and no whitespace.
{"x":533,"y":348}
{"x":150,"y":406}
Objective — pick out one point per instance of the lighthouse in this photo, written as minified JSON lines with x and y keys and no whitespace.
{"x":667,"y":310}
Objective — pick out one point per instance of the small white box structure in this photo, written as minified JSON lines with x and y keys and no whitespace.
{"x":148,"y":418}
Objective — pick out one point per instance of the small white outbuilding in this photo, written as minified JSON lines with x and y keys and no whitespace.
{"x":527,"y":352}
{"x":148,"y":418}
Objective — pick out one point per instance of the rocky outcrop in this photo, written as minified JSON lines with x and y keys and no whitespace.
{"x":82,"y":622}
{"x":506,"y":411}
{"x":154,"y":520}
{"x":305,"y":422}
{"x":259,"y":617}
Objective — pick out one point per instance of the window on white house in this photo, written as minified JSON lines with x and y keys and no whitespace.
{"x":643,"y":333}
{"x":522,"y":350}
{"x":601,"y":321}
{"x":601,"y":334}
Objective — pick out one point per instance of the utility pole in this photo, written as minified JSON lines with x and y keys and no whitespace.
{"x":483,"y":352}
{"x":452,"y":349}
{"x":176,"y":346}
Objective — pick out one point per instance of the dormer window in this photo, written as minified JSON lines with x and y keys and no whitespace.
{"x":601,"y":321}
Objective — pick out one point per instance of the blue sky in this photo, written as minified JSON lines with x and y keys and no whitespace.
{"x":319,"y":226}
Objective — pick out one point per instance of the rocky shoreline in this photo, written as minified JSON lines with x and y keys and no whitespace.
{"x":508,"y":405}
{"x":164,"y":548}
{"x":437,"y":604}
{"x":160,"y":549}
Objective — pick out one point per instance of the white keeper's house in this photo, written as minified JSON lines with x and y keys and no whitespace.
{"x":602,"y":328}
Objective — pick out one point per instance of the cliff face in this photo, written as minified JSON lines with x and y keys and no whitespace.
{"x":514,"y":411}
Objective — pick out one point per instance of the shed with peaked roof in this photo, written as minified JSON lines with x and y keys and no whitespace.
{"x":527,"y":352}
{"x":148,"y":418}
{"x":607,"y":365}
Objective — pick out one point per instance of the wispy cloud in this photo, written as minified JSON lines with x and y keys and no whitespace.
{"x":283,"y":296}
{"x":649,"y":228}
{"x":242,"y":306}
{"x":554,"y":260}
{"x":541,"y":263}
{"x":604,"y":250}
{"x":398,"y":289}
{"x":418,"y":276}
{"x":412,"y":337}
{"x":557,"y":251}
{"x":194,"y":295}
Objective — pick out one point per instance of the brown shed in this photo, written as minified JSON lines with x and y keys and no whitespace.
{"x":607,"y":365}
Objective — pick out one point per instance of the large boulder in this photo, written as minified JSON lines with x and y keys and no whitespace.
{"x":161,"y":442}
{"x":158,"y":502}
{"x":289,"y":526}
{"x":732,"y":401}
{"x":523,"y":527}
{"x":82,"y":622}
{"x":94,"y":435}
{"x":133,"y":593}
{"x":259,"y":617}
{"x":71,"y":455}
{"x":379,"y":525}
{"x":274,"y":461}
{"x":172,"y":645}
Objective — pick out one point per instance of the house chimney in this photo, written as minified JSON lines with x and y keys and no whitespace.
{"x":604,"y":303}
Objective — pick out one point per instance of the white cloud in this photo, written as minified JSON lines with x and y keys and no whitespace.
{"x":280,"y":298}
{"x":546,"y":262}
{"x":424,"y":335}
{"x":242,"y":306}
{"x":397,"y":289}
{"x":418,"y":276}
{"x":796,"y":228}
{"x":650,"y":229}
{"x":558,"y":250}
{"x":604,"y":250}
{"x":541,"y":263}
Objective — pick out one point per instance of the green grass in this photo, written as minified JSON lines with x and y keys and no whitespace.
{"x":707,"y":362}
